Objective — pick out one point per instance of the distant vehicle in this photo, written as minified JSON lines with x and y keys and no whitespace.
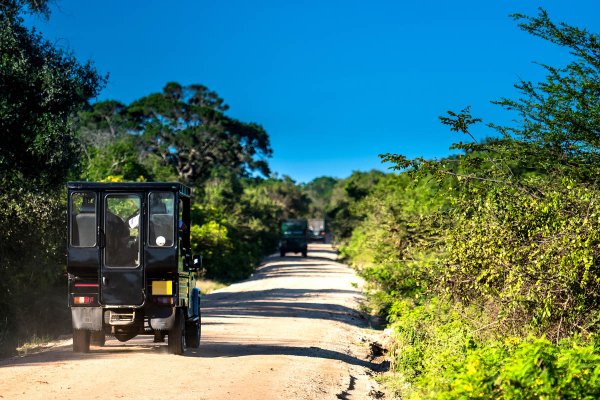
{"x":294,"y":237}
{"x":316,"y":229}
{"x":130,"y":267}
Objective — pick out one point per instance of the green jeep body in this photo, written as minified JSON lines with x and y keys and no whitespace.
{"x":294,"y":237}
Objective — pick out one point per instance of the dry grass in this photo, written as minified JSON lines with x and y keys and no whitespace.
{"x":34,"y":344}
{"x":207,"y":286}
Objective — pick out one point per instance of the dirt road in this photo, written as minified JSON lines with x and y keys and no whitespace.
{"x":290,"y":332}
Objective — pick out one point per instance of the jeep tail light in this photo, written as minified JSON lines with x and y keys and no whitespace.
{"x":83,"y":300}
{"x":166,"y":300}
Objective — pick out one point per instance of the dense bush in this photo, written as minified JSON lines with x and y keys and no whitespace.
{"x":32,"y":266}
{"x":530,"y":368}
{"x":235,"y":223}
{"x":492,"y":285}
{"x":393,"y":246}
{"x":41,"y":88}
{"x":535,"y":254}
{"x":443,"y":350}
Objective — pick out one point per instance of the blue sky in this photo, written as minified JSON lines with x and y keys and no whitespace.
{"x":334,"y":82}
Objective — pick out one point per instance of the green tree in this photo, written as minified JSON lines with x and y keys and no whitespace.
{"x":41,"y":89}
{"x":187,"y":128}
{"x":561,"y":115}
{"x":346,"y":193}
{"x":111,"y":151}
{"x":319,"y":191}
{"x":287,"y":195}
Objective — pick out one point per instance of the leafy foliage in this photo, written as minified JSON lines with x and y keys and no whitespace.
{"x":525,"y":369}
{"x":41,"y":88}
{"x":442,"y":351}
{"x":237,"y":222}
{"x":319,"y":192}
{"x":536,"y":256}
{"x":345,"y":195}
{"x":179,"y":134}
{"x":493,"y":286}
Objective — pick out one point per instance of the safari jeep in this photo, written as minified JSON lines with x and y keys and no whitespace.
{"x":293,"y":237}
{"x":129,"y":265}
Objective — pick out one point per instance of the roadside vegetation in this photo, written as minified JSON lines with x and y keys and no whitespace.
{"x":485,"y":264}
{"x":41,"y":87}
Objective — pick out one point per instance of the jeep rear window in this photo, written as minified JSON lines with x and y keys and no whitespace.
{"x":122,"y":238}
{"x":83,"y":219}
{"x":291,"y":228}
{"x":162,"y":219}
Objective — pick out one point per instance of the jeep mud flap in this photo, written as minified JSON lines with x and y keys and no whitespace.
{"x":161,"y":318}
{"x":89,"y":318}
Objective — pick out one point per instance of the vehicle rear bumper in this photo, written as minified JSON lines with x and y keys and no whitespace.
{"x":96,"y":318}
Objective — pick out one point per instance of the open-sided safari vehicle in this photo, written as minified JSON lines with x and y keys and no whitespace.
{"x":130,"y":267}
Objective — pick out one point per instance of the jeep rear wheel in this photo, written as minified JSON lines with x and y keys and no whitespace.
{"x":176,"y":336}
{"x":81,"y":340}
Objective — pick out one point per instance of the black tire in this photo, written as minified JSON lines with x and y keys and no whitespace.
{"x":81,"y":341}
{"x":176,"y":336}
{"x":192,"y":334}
{"x":98,"y":338}
{"x":281,"y":253}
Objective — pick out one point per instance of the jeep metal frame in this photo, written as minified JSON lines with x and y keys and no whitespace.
{"x":129,"y":264}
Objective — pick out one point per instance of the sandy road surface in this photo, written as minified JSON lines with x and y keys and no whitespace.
{"x":290,"y":332}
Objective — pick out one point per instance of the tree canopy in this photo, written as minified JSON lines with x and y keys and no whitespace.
{"x":184,"y":127}
{"x":41,"y":87}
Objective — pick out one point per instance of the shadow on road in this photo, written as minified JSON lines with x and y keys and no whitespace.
{"x":283,"y":303}
{"x":226,"y":349}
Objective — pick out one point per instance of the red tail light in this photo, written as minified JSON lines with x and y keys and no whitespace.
{"x":83,"y":300}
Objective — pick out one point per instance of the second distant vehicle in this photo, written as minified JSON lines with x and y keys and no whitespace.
{"x":294,"y":237}
{"x":316,"y":229}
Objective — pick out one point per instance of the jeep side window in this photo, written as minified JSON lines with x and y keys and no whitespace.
{"x":122,"y":241}
{"x":162,"y":219}
{"x":83,"y":220}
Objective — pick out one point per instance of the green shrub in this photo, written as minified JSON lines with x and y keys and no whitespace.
{"x":442,"y":350}
{"x":535,"y":254}
{"x":533,"y":368}
{"x":431,"y":337}
{"x":32,"y":260}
